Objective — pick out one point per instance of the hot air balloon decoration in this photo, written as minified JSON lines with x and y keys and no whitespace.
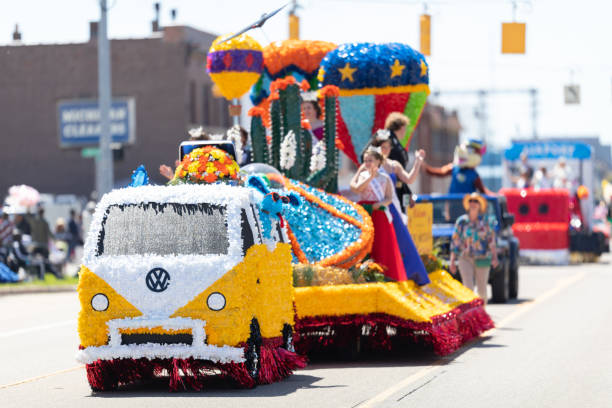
{"x":234,"y":66}
{"x":375,"y":80}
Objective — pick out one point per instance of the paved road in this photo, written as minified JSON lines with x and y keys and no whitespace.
{"x":552,"y":348}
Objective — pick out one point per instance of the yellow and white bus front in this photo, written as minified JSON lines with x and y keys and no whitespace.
{"x":174,"y":272}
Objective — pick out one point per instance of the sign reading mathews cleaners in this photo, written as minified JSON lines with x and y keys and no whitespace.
{"x":79,"y":122}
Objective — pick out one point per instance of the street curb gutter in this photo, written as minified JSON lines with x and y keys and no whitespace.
{"x":16,"y":290}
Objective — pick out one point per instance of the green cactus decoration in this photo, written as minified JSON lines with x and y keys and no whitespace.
{"x":258,"y":140}
{"x":327,"y":178}
{"x":285,"y":116}
{"x":292,"y":121}
{"x":277,"y":132}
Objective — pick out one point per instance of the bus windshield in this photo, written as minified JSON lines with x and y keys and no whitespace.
{"x":164,"y":229}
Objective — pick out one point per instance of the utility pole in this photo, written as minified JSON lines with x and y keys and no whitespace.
{"x":104,"y":162}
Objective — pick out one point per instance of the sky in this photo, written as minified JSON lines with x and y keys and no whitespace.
{"x":567,"y":42}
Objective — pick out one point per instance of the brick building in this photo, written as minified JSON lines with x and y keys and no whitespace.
{"x":163,"y":74}
{"x":438,"y":134}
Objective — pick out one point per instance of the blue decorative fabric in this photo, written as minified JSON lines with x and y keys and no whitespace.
{"x":463,"y":180}
{"x":415,"y":269}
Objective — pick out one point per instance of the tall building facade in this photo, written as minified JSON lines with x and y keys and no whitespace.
{"x":163,"y":76}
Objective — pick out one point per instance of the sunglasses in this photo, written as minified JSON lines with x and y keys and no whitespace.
{"x":276,"y":197}
{"x":474,"y":201}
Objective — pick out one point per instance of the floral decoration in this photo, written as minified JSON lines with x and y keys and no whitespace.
{"x":297,"y":58}
{"x":234,"y":65}
{"x":287,"y":151}
{"x":206,"y":165}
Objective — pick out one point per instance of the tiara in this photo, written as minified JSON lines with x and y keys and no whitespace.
{"x":374,"y":149}
{"x":309,"y":96}
{"x":196,"y":132}
{"x":382,"y":135}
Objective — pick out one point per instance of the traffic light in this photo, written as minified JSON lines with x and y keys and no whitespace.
{"x":425,"y":23}
{"x":294,"y":27}
{"x":513,"y":38}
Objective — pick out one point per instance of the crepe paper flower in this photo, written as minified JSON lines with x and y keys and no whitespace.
{"x":317,"y":162}
{"x":329,"y":91}
{"x":339,"y":144}
{"x":256,"y":111}
{"x":208,"y":164}
{"x":288,"y":150}
{"x":306,"y":124}
{"x":304,"y":85}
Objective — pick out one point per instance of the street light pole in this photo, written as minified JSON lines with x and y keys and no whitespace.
{"x":104,"y":162}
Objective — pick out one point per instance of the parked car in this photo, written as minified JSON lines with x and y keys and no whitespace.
{"x":448,"y":207}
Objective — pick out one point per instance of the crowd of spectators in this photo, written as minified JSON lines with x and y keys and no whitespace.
{"x":28,"y":243}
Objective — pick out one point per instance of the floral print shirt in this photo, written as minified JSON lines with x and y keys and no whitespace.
{"x":473,"y":239}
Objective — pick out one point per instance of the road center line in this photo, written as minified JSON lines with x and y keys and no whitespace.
{"x":40,"y":377}
{"x":36,"y":328}
{"x":523,"y":308}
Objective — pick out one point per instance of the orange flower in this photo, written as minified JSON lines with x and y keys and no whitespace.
{"x":210,"y":177}
{"x":306,"y":125}
{"x":304,"y":85}
{"x":329,"y":91}
{"x":256,"y":111}
{"x":274,"y":96}
{"x":304,"y":54}
{"x":339,"y":144}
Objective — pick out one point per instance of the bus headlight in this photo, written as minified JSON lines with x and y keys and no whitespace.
{"x":216,"y":301}
{"x":99,"y":302}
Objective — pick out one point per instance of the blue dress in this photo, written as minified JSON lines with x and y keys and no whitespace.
{"x":415,"y":269}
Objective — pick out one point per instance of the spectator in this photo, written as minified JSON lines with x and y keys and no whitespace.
{"x":247,"y":150}
{"x":541,"y":179}
{"x":18,"y":254}
{"x":525,"y":171}
{"x":75,"y":234}
{"x":562,"y":174}
{"x":22,"y":225}
{"x":6,"y":229}
{"x":41,"y":233}
{"x":473,"y":244}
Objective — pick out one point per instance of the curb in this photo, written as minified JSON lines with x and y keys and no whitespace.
{"x":17,"y":290}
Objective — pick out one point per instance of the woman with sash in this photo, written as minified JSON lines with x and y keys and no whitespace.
{"x":375,"y":190}
{"x":413,"y":265}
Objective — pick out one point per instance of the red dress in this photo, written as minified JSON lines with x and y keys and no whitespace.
{"x":385,"y":250}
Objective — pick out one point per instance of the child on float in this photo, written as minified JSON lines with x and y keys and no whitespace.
{"x":415,"y":269}
{"x":375,"y":190}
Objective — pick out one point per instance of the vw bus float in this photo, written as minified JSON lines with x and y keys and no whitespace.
{"x":178,"y":282}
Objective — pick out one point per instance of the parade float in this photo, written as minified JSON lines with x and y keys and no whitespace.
{"x":237,"y":273}
{"x":554,"y":224}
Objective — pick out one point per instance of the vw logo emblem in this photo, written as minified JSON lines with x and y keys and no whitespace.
{"x":158,"y":280}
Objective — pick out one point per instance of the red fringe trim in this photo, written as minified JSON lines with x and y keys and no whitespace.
{"x":276,"y":363}
{"x":445,"y":334}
